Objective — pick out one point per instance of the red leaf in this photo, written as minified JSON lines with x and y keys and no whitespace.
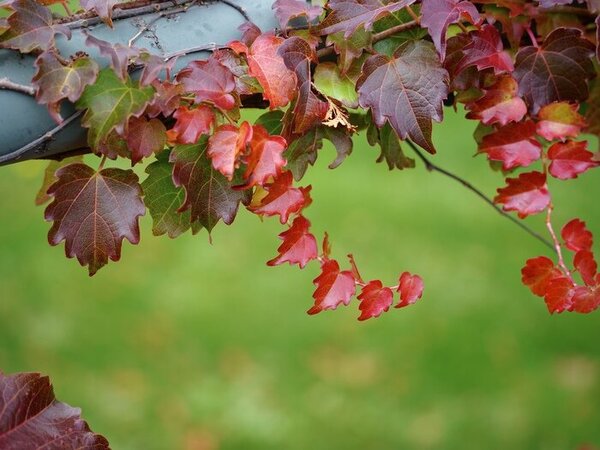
{"x":558,"y":70}
{"x":31,"y":27}
{"x":286,"y":10}
{"x":559,"y":295}
{"x":192,"y":123}
{"x":226,"y":145}
{"x":93,"y":212}
{"x":267,"y":66}
{"x":406,"y":90}
{"x":585,"y":299}
{"x":586,"y":266}
{"x":513,"y":144}
{"x":145,"y":137}
{"x":298,"y":247}
{"x":282,"y":199}
{"x":559,"y":121}
{"x":537,"y":274}
{"x":437,"y":15}
{"x":334,"y":287}
{"x":209,"y":81}
{"x":32,"y":418}
{"x":375,"y":299}
{"x":576,"y":236}
{"x":410,"y":288}
{"x":485,"y":51}
{"x":500,"y":103}
{"x":264,"y":160}
{"x":348,"y":15}
{"x":569,"y":159}
{"x":527,"y":194}
{"x":166,"y":99}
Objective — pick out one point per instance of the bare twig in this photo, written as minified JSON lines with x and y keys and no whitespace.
{"x":434,"y":168}
{"x":238,"y":8}
{"x":5,"y":83}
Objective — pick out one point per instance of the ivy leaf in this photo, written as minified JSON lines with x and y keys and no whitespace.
{"x":93,"y":212}
{"x":267,"y":66}
{"x":585,"y":299}
{"x":437,"y":15}
{"x":513,"y":144}
{"x":101,"y":7}
{"x":192,"y":123}
{"x":537,"y":274}
{"x":569,"y":159}
{"x":282,"y":198}
{"x":209,"y":80}
{"x":585,"y":264}
{"x":265,"y":159}
{"x":410,"y":288}
{"x":31,"y":27}
{"x":145,"y":137}
{"x":375,"y":299}
{"x":225,"y":146}
{"x":559,"y":120}
{"x":110,"y":102}
{"x":42,"y":196}
{"x":500,"y":103}
{"x":272,"y":121}
{"x":350,"y":48}
{"x":119,"y":55}
{"x":163,"y":199}
{"x":54,"y":81}
{"x":556,"y":71}
{"x":303,"y":150}
{"x":330,"y":82}
{"x":299,"y":246}
{"x":32,"y":418}
{"x":576,"y":236}
{"x":334,"y":287}
{"x":484,"y":51}
{"x":527,"y":194}
{"x":406,"y":90}
{"x":237,"y":64}
{"x":391,"y":151}
{"x":286,"y":10}
{"x":166,"y":99}
{"x":559,"y":295}
{"x":209,"y":196}
{"x":348,"y":15}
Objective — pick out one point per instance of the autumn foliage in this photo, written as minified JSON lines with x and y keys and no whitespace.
{"x":526,"y":71}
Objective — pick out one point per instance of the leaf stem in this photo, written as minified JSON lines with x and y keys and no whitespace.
{"x":431,"y":167}
{"x":5,"y":83}
{"x":557,"y":247}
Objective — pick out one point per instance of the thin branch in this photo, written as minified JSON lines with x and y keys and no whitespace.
{"x":326,"y":51}
{"x":238,"y":8}
{"x":557,"y":249}
{"x":434,"y":168}
{"x":5,"y":83}
{"x":40,"y":143}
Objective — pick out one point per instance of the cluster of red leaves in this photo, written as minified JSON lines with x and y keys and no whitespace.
{"x":387,"y":66}
{"x":555,"y":282}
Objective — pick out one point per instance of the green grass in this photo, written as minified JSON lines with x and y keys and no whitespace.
{"x":184,"y":345}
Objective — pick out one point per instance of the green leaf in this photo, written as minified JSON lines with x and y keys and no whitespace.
{"x":272,"y":121}
{"x":110,"y":102}
{"x":332,"y":83}
{"x":163,"y":200}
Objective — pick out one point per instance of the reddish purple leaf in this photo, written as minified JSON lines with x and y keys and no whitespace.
{"x":93,"y":212}
{"x":145,"y":137}
{"x":527,"y":194}
{"x":569,"y":159}
{"x":118,"y":54}
{"x":226,"y":145}
{"x":437,"y":15}
{"x":485,"y":51}
{"x":410,"y":288}
{"x":334,"y":287}
{"x":101,"y":7}
{"x":31,"y":418}
{"x":265,"y":159}
{"x":286,"y":10}
{"x":375,"y":299}
{"x":559,"y":121}
{"x":406,"y":90}
{"x":191,"y":124}
{"x":209,"y":81}
{"x":299,"y":246}
{"x":557,"y":70}
{"x":514,"y":145}
{"x":281,"y":198}
{"x":500,"y":103}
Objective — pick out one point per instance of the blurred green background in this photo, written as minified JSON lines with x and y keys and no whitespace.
{"x":187,"y":345}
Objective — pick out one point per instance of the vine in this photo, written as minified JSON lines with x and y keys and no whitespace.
{"x":524,"y":70}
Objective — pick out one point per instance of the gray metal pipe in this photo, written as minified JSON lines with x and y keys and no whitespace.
{"x":24,"y":123}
